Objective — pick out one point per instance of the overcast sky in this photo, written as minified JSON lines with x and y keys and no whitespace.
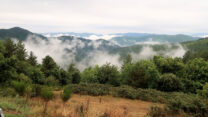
{"x":106,"y":16}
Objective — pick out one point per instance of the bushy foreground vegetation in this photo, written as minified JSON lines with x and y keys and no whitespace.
{"x":181,"y":83}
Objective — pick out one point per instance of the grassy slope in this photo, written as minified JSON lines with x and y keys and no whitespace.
{"x":93,"y":106}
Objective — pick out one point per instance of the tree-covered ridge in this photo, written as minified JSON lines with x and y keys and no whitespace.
{"x":199,"y":45}
{"x":132,"y":40}
{"x":17,"y":33}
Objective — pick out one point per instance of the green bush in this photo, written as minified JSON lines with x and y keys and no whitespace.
{"x":50,"y":81}
{"x":46,"y":93}
{"x":108,"y":74}
{"x":142,"y":94}
{"x":66,"y":94}
{"x":20,"y":87}
{"x":8,"y":92}
{"x":190,"y":104}
{"x":169,"y":82}
{"x":143,"y":74}
{"x":126,"y":92}
{"x":90,"y":89}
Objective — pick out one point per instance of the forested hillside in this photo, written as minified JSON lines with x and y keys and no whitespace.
{"x":135,"y":39}
{"x":199,"y":45}
{"x":17,"y":33}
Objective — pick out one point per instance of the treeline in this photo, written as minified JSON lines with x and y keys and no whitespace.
{"x":188,"y":74}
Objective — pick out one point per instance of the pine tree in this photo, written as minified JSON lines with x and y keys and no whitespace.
{"x":10,"y":48}
{"x":21,"y":51}
{"x":32,"y":59}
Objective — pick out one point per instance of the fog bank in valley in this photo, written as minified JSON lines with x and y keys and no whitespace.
{"x":58,"y":50}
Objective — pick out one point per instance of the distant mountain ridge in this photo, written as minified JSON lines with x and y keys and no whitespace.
{"x":18,"y":33}
{"x":129,"y":39}
{"x":133,"y":41}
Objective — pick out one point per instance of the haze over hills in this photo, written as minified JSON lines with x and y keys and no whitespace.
{"x":85,"y":52}
{"x":128,"y":39}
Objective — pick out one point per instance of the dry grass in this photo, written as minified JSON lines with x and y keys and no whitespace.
{"x":92,"y":106}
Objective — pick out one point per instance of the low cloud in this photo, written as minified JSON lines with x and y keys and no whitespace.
{"x":105,"y":37}
{"x":59,"y":51}
{"x":64,"y":52}
{"x":147,"y":52}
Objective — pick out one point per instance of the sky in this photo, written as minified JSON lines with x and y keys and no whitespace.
{"x":106,"y":16}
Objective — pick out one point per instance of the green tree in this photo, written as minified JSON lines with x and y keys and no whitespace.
{"x":22,"y":67}
{"x":51,"y":81}
{"x":20,"y":87}
{"x":50,"y":68}
{"x":169,"y":65}
{"x":66,"y":95}
{"x":196,"y":70}
{"x":36,"y":75}
{"x":22,"y":77}
{"x":204,"y":91}
{"x":10,"y":48}
{"x":32,"y":59}
{"x":90,"y":74}
{"x":47,"y":95}
{"x":75,"y":74}
{"x":143,"y":74}
{"x":7,"y":70}
{"x":21,"y":53}
{"x":191,"y":86}
{"x":127,"y":60}
{"x":2,"y":48}
{"x":109,"y":74}
{"x":169,"y":82}
{"x":64,"y":77}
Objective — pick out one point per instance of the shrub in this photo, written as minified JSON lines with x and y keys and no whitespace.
{"x":22,"y":77}
{"x":108,"y":74}
{"x":169,"y":82}
{"x":89,"y":75}
{"x":50,"y":81}
{"x":8,"y":92}
{"x":191,"y":86}
{"x":196,"y":70}
{"x":142,"y":94}
{"x":46,"y":93}
{"x":66,"y":94}
{"x":190,"y":104}
{"x":126,"y":92}
{"x":90,"y":89}
{"x":20,"y":87}
{"x":142,"y":74}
